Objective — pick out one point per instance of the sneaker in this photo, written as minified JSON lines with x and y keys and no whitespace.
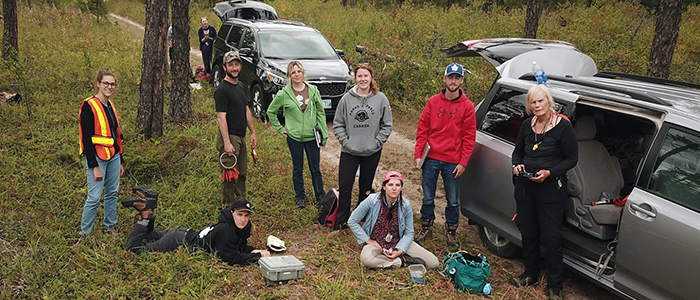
{"x":301,"y":203}
{"x":451,"y":235}
{"x":425,"y":231}
{"x":111,"y":230}
{"x":523,"y":280}
{"x":407,"y":260}
{"x":555,"y":294}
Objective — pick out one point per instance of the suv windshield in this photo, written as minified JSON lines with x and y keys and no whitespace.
{"x":296,"y":45}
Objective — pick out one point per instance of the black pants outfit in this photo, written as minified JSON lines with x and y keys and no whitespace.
{"x":540,"y":208}
{"x":159,"y":241}
{"x":346,"y":179}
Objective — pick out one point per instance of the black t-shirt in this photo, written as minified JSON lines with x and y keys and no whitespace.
{"x":230,"y":98}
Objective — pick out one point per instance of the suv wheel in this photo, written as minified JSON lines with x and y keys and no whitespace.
{"x":498,"y":244}
{"x":218,"y":75}
{"x":257,"y":107}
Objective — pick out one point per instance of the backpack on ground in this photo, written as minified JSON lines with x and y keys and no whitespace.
{"x":469,"y":273}
{"x":328,"y":209}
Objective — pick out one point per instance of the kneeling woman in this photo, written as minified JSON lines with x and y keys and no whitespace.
{"x":388,"y":229}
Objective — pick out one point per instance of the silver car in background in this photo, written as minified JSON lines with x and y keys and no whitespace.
{"x":639,"y":141}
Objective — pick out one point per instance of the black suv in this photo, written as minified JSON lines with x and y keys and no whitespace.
{"x":267,"y":46}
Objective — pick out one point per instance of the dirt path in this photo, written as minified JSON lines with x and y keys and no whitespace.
{"x":396,"y":155}
{"x":137,"y":30}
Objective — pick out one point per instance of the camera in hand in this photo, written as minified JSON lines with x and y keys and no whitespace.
{"x":527,"y":174}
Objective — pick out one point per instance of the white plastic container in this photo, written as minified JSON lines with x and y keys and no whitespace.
{"x":417,"y":272}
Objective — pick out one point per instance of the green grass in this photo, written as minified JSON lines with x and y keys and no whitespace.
{"x":42,"y":177}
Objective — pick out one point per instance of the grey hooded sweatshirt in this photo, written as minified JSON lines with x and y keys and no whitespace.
{"x":362,"y":124}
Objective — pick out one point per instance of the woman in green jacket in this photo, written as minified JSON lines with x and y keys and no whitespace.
{"x":304,"y":115}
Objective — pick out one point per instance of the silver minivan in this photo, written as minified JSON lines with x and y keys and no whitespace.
{"x":639,"y":144}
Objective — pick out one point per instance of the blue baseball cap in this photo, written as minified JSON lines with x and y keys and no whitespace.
{"x":454,"y":68}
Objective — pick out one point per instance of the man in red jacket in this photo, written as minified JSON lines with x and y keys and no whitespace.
{"x":444,"y":142}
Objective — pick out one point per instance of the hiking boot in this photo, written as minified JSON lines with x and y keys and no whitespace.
{"x":523,"y":280}
{"x":111,"y":230}
{"x":140,"y":204}
{"x":407,"y":260}
{"x":425,"y":231}
{"x":145,"y":192}
{"x":301,"y":203}
{"x":555,"y":294}
{"x":451,"y":235}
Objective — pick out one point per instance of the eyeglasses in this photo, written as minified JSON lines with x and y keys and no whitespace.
{"x":109,"y":84}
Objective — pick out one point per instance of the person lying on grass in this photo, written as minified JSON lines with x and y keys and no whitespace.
{"x":228,"y":238}
{"x":388,"y":229}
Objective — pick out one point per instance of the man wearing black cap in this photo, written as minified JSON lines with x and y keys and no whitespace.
{"x":233,"y":116}
{"x":228,"y":238}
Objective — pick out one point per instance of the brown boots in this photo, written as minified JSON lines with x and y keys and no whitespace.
{"x":145,"y":204}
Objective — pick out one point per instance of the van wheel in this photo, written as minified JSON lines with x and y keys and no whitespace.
{"x":257,"y":107}
{"x":498,"y":244}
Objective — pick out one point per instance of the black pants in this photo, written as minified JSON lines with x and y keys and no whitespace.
{"x":540,"y":208}
{"x":158,"y":241}
{"x":346,"y":179}
{"x":206,"y":57}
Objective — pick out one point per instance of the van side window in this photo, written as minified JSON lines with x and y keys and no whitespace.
{"x":677,"y":169}
{"x":505,"y":115}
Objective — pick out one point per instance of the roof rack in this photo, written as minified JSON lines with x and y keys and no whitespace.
{"x":615,"y":75}
{"x":623,"y":90}
{"x":289,"y":22}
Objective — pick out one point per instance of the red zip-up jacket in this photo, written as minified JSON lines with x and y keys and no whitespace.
{"x":450,"y":128}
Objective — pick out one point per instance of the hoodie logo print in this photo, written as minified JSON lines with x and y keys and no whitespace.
{"x":442,"y":112}
{"x":361,"y":116}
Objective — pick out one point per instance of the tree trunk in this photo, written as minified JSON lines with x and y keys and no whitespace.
{"x":9,"y":32}
{"x":180,"y":105}
{"x":532,"y":20}
{"x":153,"y":70}
{"x":665,"y":36}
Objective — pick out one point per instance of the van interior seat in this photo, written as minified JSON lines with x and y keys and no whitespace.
{"x":596,"y":172}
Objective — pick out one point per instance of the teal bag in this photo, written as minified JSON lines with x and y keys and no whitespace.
{"x":468,"y":272}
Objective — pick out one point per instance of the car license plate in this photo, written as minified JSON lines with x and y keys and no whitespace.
{"x":327,"y":104}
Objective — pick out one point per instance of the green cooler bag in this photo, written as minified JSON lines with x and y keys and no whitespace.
{"x":467,"y":272}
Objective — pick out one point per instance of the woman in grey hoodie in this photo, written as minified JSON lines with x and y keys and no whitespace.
{"x":362,"y":124}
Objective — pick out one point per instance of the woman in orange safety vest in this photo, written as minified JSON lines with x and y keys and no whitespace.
{"x":101,"y":143}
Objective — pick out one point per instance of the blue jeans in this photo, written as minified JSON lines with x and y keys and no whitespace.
{"x":431,"y":169}
{"x":313,"y":155}
{"x":110,"y":184}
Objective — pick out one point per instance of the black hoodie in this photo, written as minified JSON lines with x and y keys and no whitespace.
{"x":225,"y":239}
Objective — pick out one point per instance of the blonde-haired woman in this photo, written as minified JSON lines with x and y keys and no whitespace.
{"x":303,"y":111}
{"x":545,"y":149}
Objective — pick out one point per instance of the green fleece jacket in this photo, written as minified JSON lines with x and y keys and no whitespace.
{"x":299,"y":125}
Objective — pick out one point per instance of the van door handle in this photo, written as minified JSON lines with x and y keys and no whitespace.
{"x":637,"y":209}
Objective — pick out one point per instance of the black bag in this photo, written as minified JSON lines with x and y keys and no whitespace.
{"x":328,"y":209}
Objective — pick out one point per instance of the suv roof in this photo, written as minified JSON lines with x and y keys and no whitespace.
{"x":271,"y":24}
{"x":244,"y":9}
{"x":513,"y":58}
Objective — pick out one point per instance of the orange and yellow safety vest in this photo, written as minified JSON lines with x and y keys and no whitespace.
{"x":102,"y":138}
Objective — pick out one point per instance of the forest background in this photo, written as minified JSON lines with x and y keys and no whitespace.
{"x":42,"y":177}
